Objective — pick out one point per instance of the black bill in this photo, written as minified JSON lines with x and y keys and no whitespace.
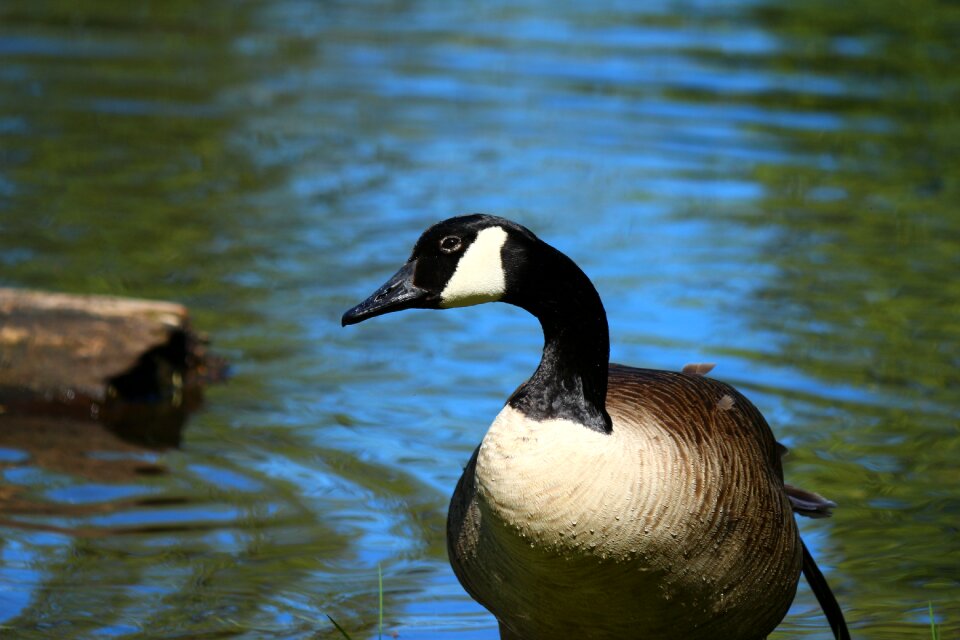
{"x":396,"y":294}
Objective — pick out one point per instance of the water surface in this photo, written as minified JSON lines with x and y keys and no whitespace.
{"x":771,"y":186}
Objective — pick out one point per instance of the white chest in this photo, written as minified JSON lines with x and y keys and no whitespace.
{"x":566,"y":489}
{"x":573,"y":533}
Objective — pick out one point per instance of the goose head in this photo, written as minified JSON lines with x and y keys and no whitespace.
{"x":459,"y":262}
{"x":478,"y":258}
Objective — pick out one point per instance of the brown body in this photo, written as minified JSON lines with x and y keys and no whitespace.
{"x":674,"y":525}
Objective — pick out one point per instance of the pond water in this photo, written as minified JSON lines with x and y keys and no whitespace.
{"x":771,"y":186}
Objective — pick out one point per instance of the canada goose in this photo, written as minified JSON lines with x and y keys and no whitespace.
{"x":607,"y":502}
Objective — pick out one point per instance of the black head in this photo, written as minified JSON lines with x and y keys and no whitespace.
{"x":459,"y":262}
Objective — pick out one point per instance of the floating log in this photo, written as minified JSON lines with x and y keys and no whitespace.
{"x":99,"y":358}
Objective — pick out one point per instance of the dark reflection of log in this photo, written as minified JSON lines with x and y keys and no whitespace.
{"x":83,"y":449}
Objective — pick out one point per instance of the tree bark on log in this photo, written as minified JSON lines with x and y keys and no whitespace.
{"x":86,"y":355}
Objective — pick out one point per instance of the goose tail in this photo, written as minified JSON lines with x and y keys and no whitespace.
{"x":825,"y":597}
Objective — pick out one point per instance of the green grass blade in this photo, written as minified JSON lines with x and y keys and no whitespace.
{"x":339,"y":628}
{"x":380,"y":594}
{"x":934,"y":632}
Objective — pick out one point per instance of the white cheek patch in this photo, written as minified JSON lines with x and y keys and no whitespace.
{"x":479,"y":276}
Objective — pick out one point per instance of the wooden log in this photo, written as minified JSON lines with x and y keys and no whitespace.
{"x":89,"y":355}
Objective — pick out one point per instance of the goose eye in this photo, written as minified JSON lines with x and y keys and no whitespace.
{"x":450,"y":244}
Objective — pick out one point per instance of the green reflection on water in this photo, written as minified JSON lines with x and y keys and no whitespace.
{"x":866,"y":294}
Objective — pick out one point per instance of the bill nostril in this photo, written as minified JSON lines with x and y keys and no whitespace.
{"x":383,"y":294}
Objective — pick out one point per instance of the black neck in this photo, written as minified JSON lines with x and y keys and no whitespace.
{"x":571,"y":381}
